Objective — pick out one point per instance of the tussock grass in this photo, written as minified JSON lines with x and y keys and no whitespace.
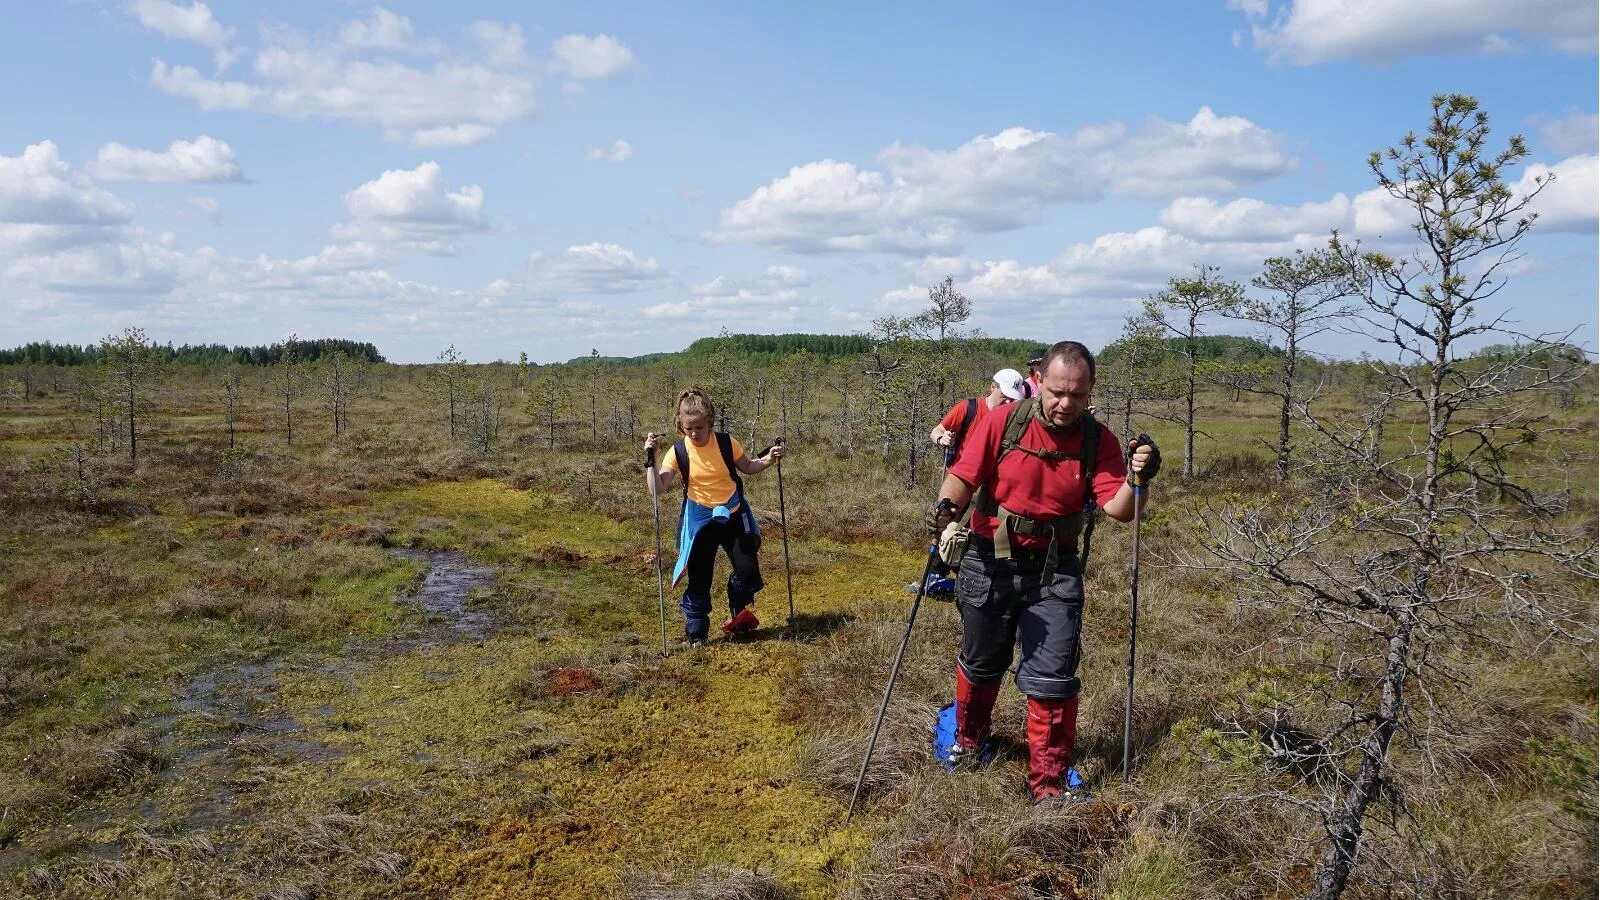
{"x":561,"y":756}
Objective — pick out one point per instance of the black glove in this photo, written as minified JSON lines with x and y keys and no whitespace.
{"x":1151,"y":465}
{"x":939,"y":515}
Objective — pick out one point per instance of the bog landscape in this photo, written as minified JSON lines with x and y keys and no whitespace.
{"x":346,"y":351}
{"x":292,"y":622}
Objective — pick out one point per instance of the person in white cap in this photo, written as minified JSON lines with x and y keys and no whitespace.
{"x":1005,"y":387}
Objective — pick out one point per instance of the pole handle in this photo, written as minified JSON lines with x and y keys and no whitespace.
{"x":1138,"y":477}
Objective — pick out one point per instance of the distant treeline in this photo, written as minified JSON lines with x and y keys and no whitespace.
{"x":772,"y":347}
{"x":1211,"y":347}
{"x":72,"y":355}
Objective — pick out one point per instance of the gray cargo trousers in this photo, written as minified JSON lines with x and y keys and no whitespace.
{"x":1004,"y":603}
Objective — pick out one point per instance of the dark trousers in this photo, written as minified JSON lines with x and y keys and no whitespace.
{"x":1006,"y":603}
{"x":743,"y":581}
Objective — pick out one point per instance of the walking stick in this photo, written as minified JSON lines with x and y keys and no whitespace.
{"x":894,"y":673}
{"x":1133,"y":619}
{"x":655,"y":504}
{"x":783,"y":516}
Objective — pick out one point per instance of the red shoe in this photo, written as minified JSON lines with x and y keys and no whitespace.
{"x":741,"y":623}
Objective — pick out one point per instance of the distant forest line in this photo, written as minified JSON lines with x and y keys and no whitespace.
{"x":759,"y":348}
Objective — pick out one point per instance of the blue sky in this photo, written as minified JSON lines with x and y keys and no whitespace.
{"x":550,"y":178}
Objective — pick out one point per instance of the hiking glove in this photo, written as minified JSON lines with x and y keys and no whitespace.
{"x":939,"y":515}
{"x":1152,"y":462}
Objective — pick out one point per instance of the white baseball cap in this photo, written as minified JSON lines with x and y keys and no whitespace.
{"x":1010,"y":382}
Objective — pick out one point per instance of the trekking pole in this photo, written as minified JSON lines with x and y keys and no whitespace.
{"x":783,"y":516}
{"x":1133,"y":619}
{"x":894,"y":673}
{"x":655,"y":505}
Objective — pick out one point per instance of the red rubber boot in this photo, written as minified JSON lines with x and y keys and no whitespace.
{"x":1052,"y":731}
{"x":974,"y":710}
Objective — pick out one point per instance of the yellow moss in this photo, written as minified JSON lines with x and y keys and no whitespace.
{"x":698,"y":769}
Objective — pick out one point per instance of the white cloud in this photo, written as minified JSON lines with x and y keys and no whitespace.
{"x":1571,"y":202}
{"x":1248,"y":219}
{"x":414,"y":207}
{"x":583,"y":57}
{"x":193,"y":23}
{"x":209,"y":208}
{"x":620,"y":151}
{"x":595,"y":268}
{"x":931,"y":200}
{"x":1207,"y":154}
{"x":204,"y":159}
{"x":503,"y":42}
{"x":450,"y":136}
{"x":384,"y":30}
{"x":1378,"y":31}
{"x":451,"y":102}
{"x":1574,"y":134}
{"x":773,"y":297}
{"x":1252,"y":8}
{"x":37,"y":188}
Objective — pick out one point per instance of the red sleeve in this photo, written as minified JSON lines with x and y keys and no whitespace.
{"x":1110,"y":470}
{"x":976,"y":463}
{"x":952,"y":419}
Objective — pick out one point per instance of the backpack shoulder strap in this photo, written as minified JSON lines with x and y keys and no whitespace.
{"x":682,"y":454}
{"x":1016,"y":424}
{"x":725,"y":444}
{"x":1088,"y":455}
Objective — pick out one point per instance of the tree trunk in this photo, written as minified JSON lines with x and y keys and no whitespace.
{"x":1188,"y":406}
{"x":1283,"y":411}
{"x":1346,"y":827}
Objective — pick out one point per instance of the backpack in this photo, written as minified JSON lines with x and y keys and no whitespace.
{"x":1080,"y":522}
{"x":961,"y":432}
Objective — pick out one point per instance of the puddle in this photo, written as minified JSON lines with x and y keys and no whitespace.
{"x":228,"y":722}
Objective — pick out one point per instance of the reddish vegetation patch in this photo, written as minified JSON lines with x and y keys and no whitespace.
{"x":569,"y":680}
{"x":559,"y":556}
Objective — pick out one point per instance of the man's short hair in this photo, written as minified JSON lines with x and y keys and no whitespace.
{"x":1070,"y":352}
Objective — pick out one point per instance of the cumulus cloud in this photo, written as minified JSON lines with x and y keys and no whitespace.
{"x":595,"y":268}
{"x":452,"y":101}
{"x":193,"y":23}
{"x":1569,"y":202}
{"x":776,"y":296}
{"x":1207,"y":154}
{"x":1248,"y":219}
{"x":620,"y":151}
{"x":38,"y":188}
{"x":583,"y":57}
{"x":204,"y":159}
{"x":1376,"y":31}
{"x":413,"y":206}
{"x":930,"y":201}
{"x":384,"y":30}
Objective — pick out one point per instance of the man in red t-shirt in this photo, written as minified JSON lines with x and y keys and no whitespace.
{"x":958,"y":423}
{"x":1027,"y":590}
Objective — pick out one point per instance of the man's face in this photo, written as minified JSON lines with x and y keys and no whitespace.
{"x":1064,"y":391}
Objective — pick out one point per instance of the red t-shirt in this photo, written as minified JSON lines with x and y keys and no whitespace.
{"x":952,"y":420}
{"x":1030,"y":486}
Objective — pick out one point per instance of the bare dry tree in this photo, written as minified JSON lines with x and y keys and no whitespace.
{"x":1307,"y":289}
{"x":1205,"y":294}
{"x":1397,"y":572}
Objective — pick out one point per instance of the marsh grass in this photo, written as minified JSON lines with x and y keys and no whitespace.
{"x":561,"y":756}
